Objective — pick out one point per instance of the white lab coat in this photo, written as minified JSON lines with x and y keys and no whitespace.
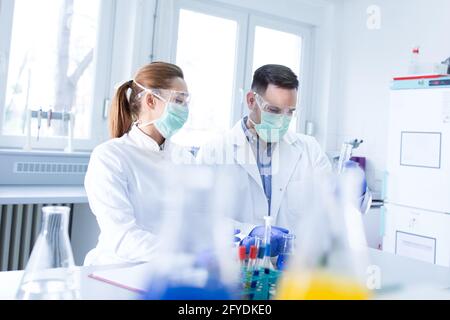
{"x":123,"y":184}
{"x":295,"y":156}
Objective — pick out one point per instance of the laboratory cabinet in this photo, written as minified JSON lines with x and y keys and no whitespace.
{"x":417,"y":181}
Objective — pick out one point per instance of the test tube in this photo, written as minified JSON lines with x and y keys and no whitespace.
{"x":242,"y":255}
{"x":251,"y":265}
{"x":267,"y":264}
{"x":267,"y":230}
{"x":267,"y":248}
{"x":252,"y":258}
{"x":259,"y":243}
{"x":346,"y":153}
{"x":259,"y":251}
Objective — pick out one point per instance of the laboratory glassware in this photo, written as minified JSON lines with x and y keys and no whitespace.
{"x":51,"y":273}
{"x":286,"y":251}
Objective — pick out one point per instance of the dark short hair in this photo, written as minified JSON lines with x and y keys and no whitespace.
{"x":278,"y":75}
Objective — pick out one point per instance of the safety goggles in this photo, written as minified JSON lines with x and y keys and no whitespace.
{"x":267,"y":107}
{"x":166,"y":95}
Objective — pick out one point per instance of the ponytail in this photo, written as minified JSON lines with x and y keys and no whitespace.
{"x":120,"y":117}
{"x":126,"y":108}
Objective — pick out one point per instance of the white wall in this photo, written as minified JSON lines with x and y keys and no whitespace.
{"x":367,"y":60}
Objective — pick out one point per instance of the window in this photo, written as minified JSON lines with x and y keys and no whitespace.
{"x":278,"y":47}
{"x":211,"y":83}
{"x":51,"y":65}
{"x":219,"y":48}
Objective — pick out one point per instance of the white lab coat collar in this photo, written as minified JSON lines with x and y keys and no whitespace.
{"x":144,"y":141}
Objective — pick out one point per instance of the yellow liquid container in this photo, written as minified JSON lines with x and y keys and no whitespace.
{"x":320,"y":285}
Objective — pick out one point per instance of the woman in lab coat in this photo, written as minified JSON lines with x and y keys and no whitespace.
{"x":127,"y":173}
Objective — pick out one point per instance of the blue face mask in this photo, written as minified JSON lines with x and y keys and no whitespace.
{"x":173,"y":119}
{"x":174,"y":116}
{"x":273,"y":126}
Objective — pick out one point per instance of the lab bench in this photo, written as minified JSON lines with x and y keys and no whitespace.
{"x":401,"y":278}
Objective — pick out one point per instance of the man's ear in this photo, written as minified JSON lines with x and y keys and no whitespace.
{"x":251,"y":100}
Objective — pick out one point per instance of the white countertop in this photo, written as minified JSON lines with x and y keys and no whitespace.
{"x":90,"y":289}
{"x":44,"y":194}
{"x":401,"y":278}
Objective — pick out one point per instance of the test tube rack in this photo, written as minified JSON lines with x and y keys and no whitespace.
{"x":41,"y":115}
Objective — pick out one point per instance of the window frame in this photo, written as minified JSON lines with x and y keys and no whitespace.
{"x":226,"y":12}
{"x":306,"y":61}
{"x":102,"y":61}
{"x":247,"y":20}
{"x":6,"y":23}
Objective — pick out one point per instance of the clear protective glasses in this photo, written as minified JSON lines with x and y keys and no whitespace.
{"x":267,"y":107}
{"x":166,"y":95}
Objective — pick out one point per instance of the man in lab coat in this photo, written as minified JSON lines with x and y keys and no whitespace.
{"x":269,"y":164}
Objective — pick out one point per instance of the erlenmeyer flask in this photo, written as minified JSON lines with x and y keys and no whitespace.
{"x":50,"y":272}
{"x":331,"y":252}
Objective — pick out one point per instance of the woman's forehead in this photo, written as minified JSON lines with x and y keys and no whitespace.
{"x":178,"y":84}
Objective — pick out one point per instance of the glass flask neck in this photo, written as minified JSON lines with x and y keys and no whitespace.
{"x":54,"y":221}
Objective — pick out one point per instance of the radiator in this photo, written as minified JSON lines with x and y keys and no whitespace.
{"x":19,"y":227}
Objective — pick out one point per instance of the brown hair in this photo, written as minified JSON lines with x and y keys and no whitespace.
{"x":124,"y":110}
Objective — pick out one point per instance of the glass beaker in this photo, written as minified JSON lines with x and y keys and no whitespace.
{"x":51,"y":273}
{"x":287,"y":251}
